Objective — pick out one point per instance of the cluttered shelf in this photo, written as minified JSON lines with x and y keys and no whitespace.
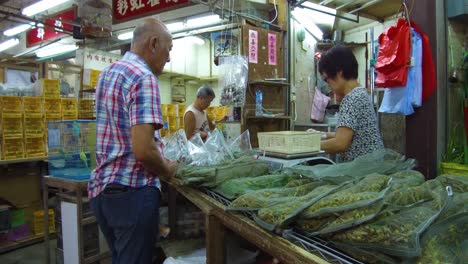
{"x":12,"y":245}
{"x":325,"y":46}
{"x":269,"y":117}
{"x":6,"y":162}
{"x":270,"y":82}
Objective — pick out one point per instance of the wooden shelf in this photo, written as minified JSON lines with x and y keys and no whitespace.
{"x":90,"y":90}
{"x":6,"y":162}
{"x":12,"y":245}
{"x":270,"y":117}
{"x":269,"y":83}
{"x":88,"y":220}
{"x":167,"y":74}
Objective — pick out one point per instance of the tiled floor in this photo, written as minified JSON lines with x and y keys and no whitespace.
{"x":34,"y":254}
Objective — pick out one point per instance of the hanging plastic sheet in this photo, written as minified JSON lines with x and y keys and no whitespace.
{"x":394,"y":55}
{"x":400,"y":100}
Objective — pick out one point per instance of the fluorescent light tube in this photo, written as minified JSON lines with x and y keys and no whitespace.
{"x":41,"y":6}
{"x":125,"y":36}
{"x":320,"y":17}
{"x":18,"y":29}
{"x":195,"y":39}
{"x":8,"y":44}
{"x":176,"y":26}
{"x":56,"y":50}
{"x":307,"y":23}
{"x":203,"y":21}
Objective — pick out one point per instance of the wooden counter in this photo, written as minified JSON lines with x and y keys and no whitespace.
{"x":217,"y":219}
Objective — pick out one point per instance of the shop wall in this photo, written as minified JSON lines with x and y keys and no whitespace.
{"x":302,"y":69}
{"x":392,"y":126}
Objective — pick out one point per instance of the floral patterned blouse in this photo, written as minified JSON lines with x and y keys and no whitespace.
{"x":356,"y":112}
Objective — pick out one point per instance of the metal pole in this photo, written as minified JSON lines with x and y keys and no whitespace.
{"x":372,"y":73}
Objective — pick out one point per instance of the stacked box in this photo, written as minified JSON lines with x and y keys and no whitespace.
{"x":86,"y":109}
{"x":50,"y":88}
{"x":69,"y":109}
{"x":38,"y":222}
{"x":71,"y":147}
{"x":35,"y":146}
{"x":33,"y":105}
{"x":33,"y":125}
{"x":11,"y":127}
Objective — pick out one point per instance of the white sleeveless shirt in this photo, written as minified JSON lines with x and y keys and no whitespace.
{"x":201,"y":120}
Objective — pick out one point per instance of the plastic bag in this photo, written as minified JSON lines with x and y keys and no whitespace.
{"x":381,"y":161}
{"x":175,"y":147}
{"x":458,"y":183}
{"x":217,"y":148}
{"x":446,"y":242}
{"x":241,"y":145}
{"x":280,"y":215}
{"x":233,"y":77}
{"x":459,"y":204}
{"x":349,"y":219}
{"x":395,"y":232}
{"x":394,"y":54}
{"x":406,"y":178}
{"x":214,"y":175}
{"x":319,"y":105}
{"x":232,"y":189}
{"x":257,"y":200}
{"x":366,"y":192}
{"x":400,"y":100}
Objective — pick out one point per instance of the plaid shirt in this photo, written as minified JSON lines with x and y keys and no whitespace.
{"x":127,"y":94}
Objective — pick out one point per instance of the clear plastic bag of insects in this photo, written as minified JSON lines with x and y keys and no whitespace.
{"x":364,"y":192}
{"x":282,"y":214}
{"x":446,"y":241}
{"x":232,"y":189}
{"x":257,"y":200}
{"x":395,"y":232}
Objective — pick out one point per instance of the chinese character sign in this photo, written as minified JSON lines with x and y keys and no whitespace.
{"x":253,"y":46}
{"x":124,"y":10}
{"x":271,"y":48}
{"x":52,"y":29}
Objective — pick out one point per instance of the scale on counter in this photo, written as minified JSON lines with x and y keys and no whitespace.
{"x":280,"y":160}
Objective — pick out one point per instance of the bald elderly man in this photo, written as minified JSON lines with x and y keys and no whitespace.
{"x":124,"y":188}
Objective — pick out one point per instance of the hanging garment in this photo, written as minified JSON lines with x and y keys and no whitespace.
{"x":400,"y":100}
{"x":429,"y":80}
{"x":394,"y":55}
{"x":319,"y":105}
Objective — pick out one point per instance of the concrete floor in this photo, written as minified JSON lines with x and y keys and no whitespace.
{"x":34,"y":254}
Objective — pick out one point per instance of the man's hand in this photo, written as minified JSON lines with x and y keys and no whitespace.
{"x":171,"y":168}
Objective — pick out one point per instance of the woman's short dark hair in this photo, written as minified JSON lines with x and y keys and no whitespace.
{"x":339,"y":58}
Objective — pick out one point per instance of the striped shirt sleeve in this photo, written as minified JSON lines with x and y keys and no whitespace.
{"x":145,"y":102}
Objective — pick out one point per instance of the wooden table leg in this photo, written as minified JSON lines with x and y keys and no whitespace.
{"x":45,"y":198}
{"x":215,"y":246}
{"x":172,"y":209}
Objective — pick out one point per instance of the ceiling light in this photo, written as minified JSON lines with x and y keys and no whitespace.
{"x":41,"y":6}
{"x":56,"y":50}
{"x":196,"y":40}
{"x":18,"y":29}
{"x":8,"y":44}
{"x":125,"y":36}
{"x":176,"y":26}
{"x":203,"y":21}
{"x":320,"y":14}
{"x":303,"y":18}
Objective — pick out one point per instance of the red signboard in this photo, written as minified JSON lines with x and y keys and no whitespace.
{"x":49,"y":32}
{"x":124,"y":10}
